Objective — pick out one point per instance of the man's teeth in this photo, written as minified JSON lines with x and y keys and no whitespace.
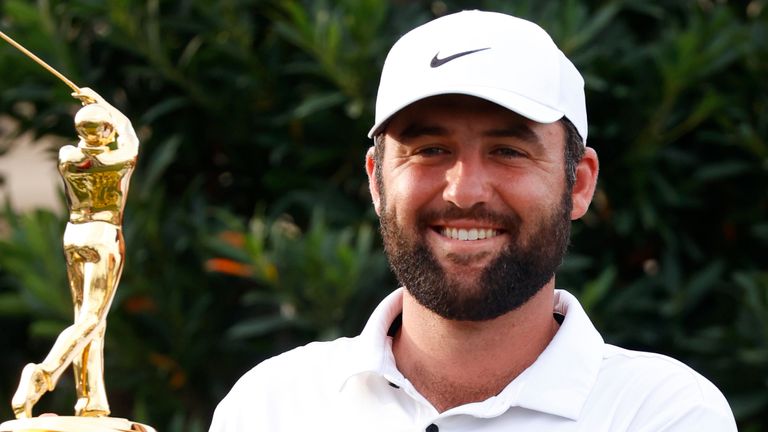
{"x":469,"y":234}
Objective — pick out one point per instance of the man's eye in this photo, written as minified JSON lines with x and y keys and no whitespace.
{"x":507,"y":152}
{"x":431,"y":151}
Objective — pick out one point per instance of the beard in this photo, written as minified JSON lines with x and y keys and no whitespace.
{"x":521,"y":269}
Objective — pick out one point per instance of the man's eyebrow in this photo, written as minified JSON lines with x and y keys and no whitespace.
{"x":519,"y":130}
{"x":415,"y":130}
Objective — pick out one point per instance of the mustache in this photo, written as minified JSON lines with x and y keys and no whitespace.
{"x":481,"y":213}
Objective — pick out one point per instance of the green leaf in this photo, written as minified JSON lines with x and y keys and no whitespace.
{"x":596,"y":290}
{"x":258,"y":327}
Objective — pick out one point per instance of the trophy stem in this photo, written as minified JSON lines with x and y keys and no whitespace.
{"x":39,"y":61}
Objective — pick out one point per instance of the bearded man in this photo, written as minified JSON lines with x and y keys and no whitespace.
{"x":478,"y":167}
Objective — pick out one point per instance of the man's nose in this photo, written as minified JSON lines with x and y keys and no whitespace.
{"x":468,"y":183}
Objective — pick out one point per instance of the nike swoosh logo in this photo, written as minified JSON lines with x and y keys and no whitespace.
{"x":437,"y":62}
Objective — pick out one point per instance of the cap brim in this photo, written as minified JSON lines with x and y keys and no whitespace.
{"x":509,"y":100}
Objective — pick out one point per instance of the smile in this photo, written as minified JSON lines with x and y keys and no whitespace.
{"x":469,"y":234}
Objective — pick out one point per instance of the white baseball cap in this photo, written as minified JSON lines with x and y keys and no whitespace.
{"x":503,"y":59}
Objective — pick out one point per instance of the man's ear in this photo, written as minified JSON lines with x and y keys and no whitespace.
{"x":370,"y":169}
{"x":586,"y":182}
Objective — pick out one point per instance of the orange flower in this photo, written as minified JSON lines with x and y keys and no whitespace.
{"x":163,"y":362}
{"x":228,"y":266}
{"x":138,"y":304}
{"x":233,"y":238}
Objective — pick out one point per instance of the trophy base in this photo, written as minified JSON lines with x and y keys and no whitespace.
{"x":73,"y":424}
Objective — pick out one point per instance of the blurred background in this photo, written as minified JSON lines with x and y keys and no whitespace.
{"x":249,"y":227}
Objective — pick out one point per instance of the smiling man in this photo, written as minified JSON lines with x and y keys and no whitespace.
{"x":478,"y":168}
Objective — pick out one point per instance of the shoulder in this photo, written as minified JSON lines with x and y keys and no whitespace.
{"x":268,"y":394}
{"x":656,"y":371}
{"x":297,"y":364}
{"x":633,"y":390}
{"x":302,"y":389}
{"x":661,"y":392}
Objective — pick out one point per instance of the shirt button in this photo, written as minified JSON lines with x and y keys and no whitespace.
{"x":432,"y":428}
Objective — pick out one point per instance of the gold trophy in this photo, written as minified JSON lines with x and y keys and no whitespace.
{"x":96,"y":173}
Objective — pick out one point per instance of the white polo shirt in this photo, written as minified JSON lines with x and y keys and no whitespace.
{"x":578,"y":383}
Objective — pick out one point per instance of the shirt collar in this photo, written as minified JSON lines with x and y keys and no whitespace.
{"x":557,"y":383}
{"x":563,"y":375}
{"x":372,"y":351}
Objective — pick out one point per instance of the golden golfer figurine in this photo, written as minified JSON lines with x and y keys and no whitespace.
{"x":96,"y":173}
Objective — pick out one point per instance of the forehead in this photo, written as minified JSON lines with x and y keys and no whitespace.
{"x":461,"y":114}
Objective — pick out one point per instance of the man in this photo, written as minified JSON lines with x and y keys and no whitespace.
{"x":479,"y":166}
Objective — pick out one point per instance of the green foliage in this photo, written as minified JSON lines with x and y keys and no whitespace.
{"x":264,"y":104}
{"x":311,"y":281}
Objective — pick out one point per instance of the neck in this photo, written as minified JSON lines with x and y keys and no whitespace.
{"x":452,"y":363}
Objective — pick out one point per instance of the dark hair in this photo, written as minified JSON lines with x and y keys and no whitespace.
{"x":574,"y":151}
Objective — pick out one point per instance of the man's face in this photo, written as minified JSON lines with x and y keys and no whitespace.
{"x":474,"y":210}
